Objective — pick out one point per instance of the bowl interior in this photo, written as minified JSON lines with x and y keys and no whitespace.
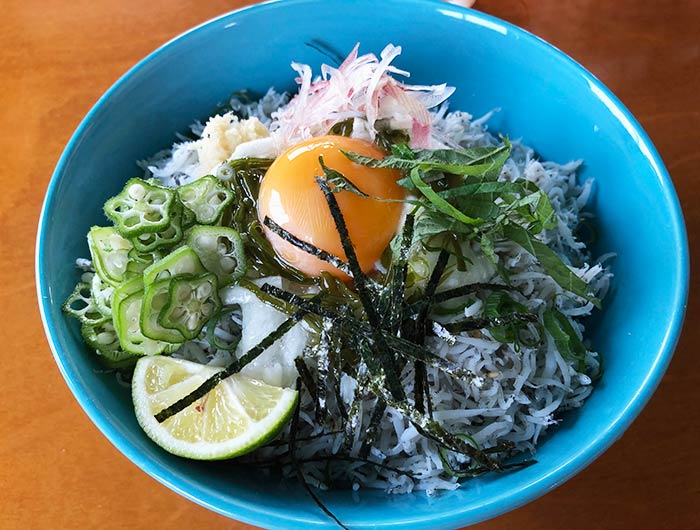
{"x":545,"y":99}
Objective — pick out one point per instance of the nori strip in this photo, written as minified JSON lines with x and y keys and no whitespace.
{"x":297,"y":465}
{"x":307,"y":247}
{"x":434,"y":431}
{"x":397,"y":344}
{"x":308,"y":380}
{"x":393,"y":297}
{"x":208,"y":385}
{"x":420,"y":384}
{"x":373,"y":427}
{"x":386,"y":358}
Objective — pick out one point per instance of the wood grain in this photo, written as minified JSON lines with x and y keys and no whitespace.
{"x":56,"y":58}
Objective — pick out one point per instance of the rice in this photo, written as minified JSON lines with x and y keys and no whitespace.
{"x":513,"y":395}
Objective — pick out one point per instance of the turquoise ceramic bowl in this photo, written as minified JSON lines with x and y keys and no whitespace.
{"x":546,"y":98}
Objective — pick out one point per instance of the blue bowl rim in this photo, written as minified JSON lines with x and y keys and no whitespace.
{"x":251,"y":513}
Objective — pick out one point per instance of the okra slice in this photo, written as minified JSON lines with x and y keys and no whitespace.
{"x":110,"y":254}
{"x":140,"y":208}
{"x":192,"y":302}
{"x":184,"y":260}
{"x":189,"y":219}
{"x":140,"y":261}
{"x":206,"y":197}
{"x":220,"y":250}
{"x":82,"y":306}
{"x":121,"y":293}
{"x":101,"y":337}
{"x":168,"y":237}
{"x":154,"y":300}
{"x":128,"y":325}
{"x":102,"y":295}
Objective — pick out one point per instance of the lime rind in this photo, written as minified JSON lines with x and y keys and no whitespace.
{"x":219,"y":426}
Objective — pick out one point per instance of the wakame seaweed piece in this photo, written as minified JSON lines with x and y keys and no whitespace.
{"x":307,"y":247}
{"x":226,"y":171}
{"x":386,"y":358}
{"x":551,"y":263}
{"x":206,"y":197}
{"x":565,"y":338}
{"x":261,"y":259}
{"x":191,"y":302}
{"x":81,"y":305}
{"x":140,"y":208}
{"x":235,"y":366}
{"x":342,"y":128}
{"x":386,"y":138}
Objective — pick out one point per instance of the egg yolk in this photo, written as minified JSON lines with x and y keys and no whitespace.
{"x":290,"y":196}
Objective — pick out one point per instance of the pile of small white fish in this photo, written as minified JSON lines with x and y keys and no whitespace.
{"x":514,"y":395}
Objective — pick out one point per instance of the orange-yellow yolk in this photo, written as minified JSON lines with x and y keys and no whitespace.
{"x":290,"y":196}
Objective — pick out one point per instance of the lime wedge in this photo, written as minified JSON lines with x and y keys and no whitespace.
{"x":237,"y":416}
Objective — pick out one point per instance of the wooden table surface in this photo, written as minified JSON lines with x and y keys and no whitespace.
{"x":57,"y":58}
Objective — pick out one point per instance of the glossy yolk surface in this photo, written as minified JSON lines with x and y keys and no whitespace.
{"x":290,"y":196}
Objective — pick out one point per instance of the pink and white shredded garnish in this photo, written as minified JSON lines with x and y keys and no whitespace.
{"x":362,"y":89}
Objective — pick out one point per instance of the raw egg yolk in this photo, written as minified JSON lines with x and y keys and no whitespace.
{"x":290,"y":196}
